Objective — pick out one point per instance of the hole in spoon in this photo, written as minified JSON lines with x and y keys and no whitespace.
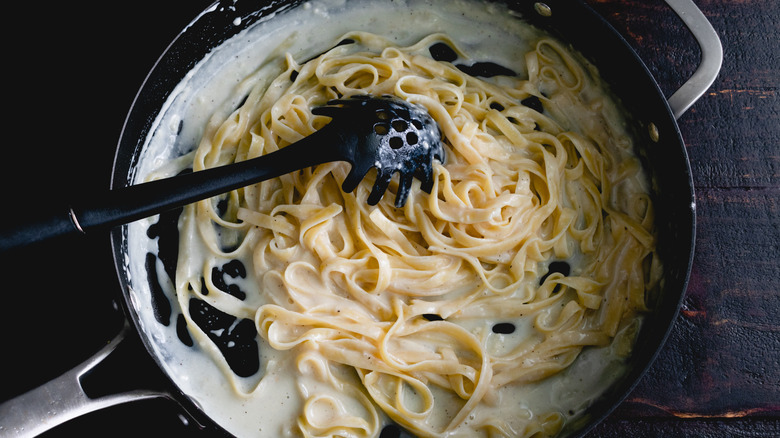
{"x":400,"y":125}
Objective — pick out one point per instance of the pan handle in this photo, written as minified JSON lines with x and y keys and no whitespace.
{"x":64,"y":398}
{"x":711,"y":56}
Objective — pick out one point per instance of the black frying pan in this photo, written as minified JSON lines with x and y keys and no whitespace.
{"x":654,"y":120}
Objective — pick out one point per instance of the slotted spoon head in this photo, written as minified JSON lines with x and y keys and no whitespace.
{"x":391,"y":135}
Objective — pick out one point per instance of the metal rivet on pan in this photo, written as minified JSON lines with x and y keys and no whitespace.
{"x":543,"y":9}
{"x":653,"y":131}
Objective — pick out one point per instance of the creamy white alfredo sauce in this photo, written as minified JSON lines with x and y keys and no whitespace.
{"x":483,"y":30}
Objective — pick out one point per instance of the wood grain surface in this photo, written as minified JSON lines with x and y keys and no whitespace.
{"x":719,"y":373}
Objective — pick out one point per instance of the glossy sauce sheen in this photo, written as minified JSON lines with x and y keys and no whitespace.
{"x":153,"y":244}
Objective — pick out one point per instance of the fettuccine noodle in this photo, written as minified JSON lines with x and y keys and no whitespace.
{"x":390,"y":312}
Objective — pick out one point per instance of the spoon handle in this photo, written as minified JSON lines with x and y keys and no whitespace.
{"x":134,"y":202}
{"x":127,"y":204}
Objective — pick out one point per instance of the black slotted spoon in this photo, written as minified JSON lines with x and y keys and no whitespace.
{"x":385,"y":133}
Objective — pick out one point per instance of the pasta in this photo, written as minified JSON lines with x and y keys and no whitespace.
{"x":536,"y":242}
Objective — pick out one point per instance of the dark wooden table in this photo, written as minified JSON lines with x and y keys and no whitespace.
{"x":719,"y":373}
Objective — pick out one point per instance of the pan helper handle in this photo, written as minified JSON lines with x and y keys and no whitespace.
{"x":711,"y":56}
{"x":64,"y":398}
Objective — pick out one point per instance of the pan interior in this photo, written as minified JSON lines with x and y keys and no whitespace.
{"x":304,"y":32}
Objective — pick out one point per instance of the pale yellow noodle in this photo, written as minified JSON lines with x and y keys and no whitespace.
{"x":348,"y":288}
